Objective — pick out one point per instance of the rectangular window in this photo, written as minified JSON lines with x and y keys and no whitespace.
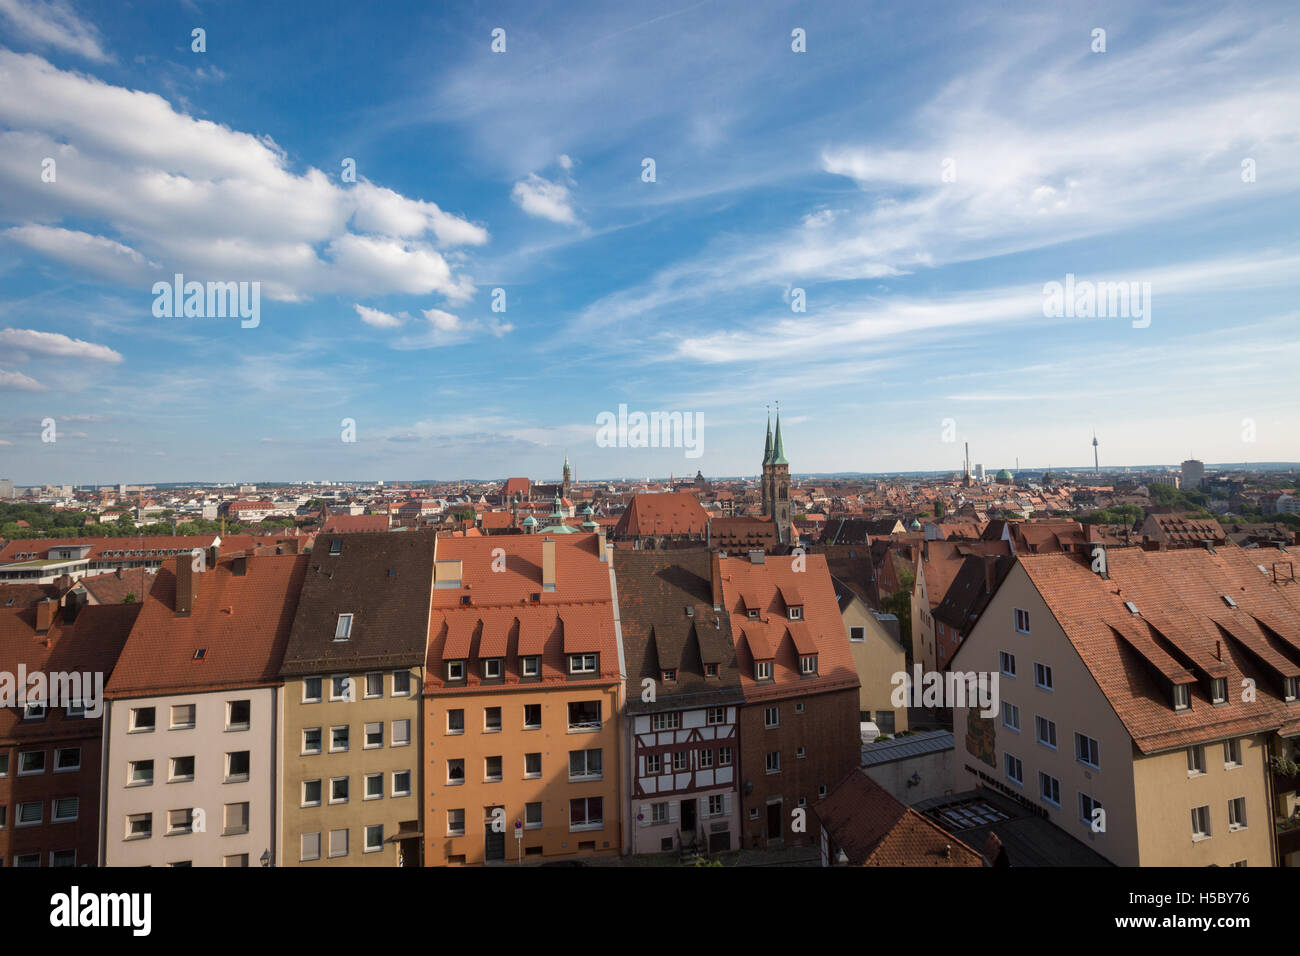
{"x":680,"y":761}
{"x":771,"y":717}
{"x":238,"y":714}
{"x":339,"y":739}
{"x":1201,"y":823}
{"x":491,"y":720}
{"x":530,"y":665}
{"x":311,"y":691}
{"x":724,"y":756}
{"x":456,"y":822}
{"x":710,"y":670}
{"x":857,"y":633}
{"x":339,"y":788}
{"x":532,"y":716}
{"x":1196,"y":760}
{"x":455,"y":670}
{"x":796,"y":613}
{"x":338,"y":843}
{"x":1046,"y":731}
{"x":374,"y":788}
{"x":1087,"y":750}
{"x":492,"y":769}
{"x":1042,"y":676}
{"x":773,"y":761}
{"x":181,"y":770}
{"x":717,"y":715}
{"x":343,"y":629}
{"x":237,"y":764}
{"x":311,"y":793}
{"x":455,"y":772}
{"x":374,"y":735}
{"x":182,"y":717}
{"x":584,"y":715}
{"x":234,"y":819}
{"x":30,"y":814}
{"x":341,"y":687}
{"x":401,"y":683}
{"x":139,"y":773}
{"x":1237,"y":813}
{"x":706,"y":759}
{"x":1008,"y":663}
{"x":653,"y":764}
{"x":716,"y":805}
{"x":1015,"y":771}
{"x":808,"y":664}
{"x":4,"y":764}
{"x":532,"y":766}
{"x":139,"y":826}
{"x":311,"y":740}
{"x":666,"y":721}
{"x":1232,"y":753}
{"x":762,"y":670}
{"x":493,"y":667}
{"x":375,"y":684}
{"x":65,"y":809}
{"x":670,"y":675}
{"x":1049,"y":788}
{"x":587,"y":813}
{"x":456,"y":721}
{"x":180,"y":821}
{"x":401,"y":783}
{"x":585,"y":765}
{"x":582,"y":663}
{"x":142,"y":720}
{"x":67,"y":759}
{"x":310,"y":847}
{"x":1182,"y":697}
{"x":401,"y":733}
{"x":1219,"y":690}
{"x":1087,"y":811}
{"x":1022,"y":621}
{"x":374,"y":838}
{"x":1011,"y":716}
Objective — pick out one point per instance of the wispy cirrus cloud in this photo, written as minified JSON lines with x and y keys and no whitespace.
{"x":55,"y":344}
{"x":53,"y":23}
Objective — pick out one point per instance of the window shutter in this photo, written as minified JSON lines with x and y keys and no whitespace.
{"x":672,"y":811}
{"x":645,"y":815}
{"x":726,"y":804}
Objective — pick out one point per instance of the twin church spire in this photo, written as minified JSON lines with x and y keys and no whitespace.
{"x":776,"y":480}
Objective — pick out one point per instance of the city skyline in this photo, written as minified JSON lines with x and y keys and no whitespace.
{"x":915,"y":183}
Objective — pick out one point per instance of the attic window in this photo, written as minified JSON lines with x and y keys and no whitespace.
{"x":796,"y":613}
{"x":762,"y":670}
{"x":492,"y":667}
{"x":336,"y":546}
{"x":753,"y":614}
{"x":1219,"y":690}
{"x":343,"y":630}
{"x":201,"y":653}
{"x":1227,"y":599}
{"x":710,"y":670}
{"x":670,"y":675}
{"x":1290,"y":688}
{"x":456,"y":670}
{"x":808,"y":664}
{"x":1182,"y":697}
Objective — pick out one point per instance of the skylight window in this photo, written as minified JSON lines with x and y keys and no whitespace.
{"x":1228,"y":600}
{"x":343,"y":630}
{"x":1132,"y":608}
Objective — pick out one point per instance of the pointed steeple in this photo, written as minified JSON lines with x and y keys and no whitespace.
{"x":778,"y":449}
{"x":767,"y":449}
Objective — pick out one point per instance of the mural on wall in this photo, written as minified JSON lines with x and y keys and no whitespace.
{"x":981,"y":737}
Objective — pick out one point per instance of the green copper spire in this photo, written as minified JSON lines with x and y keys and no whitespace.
{"x":767,"y":449}
{"x":778,"y":449}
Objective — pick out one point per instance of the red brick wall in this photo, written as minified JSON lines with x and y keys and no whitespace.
{"x":81,"y":834}
{"x":827,"y":730}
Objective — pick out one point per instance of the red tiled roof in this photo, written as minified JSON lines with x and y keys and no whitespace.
{"x":241,"y":622}
{"x":668,"y":513}
{"x":874,"y":829}
{"x":341,"y":524}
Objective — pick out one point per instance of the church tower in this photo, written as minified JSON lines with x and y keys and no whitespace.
{"x":567,"y":483}
{"x":776,"y":482}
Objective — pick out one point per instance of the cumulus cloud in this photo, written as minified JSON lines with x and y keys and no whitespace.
{"x":167,"y":192}
{"x":17,"y":381}
{"x":53,"y":23}
{"x":55,"y":344}
{"x":545,"y":199}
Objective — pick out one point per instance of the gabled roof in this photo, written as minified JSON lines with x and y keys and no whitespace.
{"x":666,"y":513}
{"x":655,"y":590}
{"x":874,"y":829}
{"x":384,"y":581}
{"x":240,"y":621}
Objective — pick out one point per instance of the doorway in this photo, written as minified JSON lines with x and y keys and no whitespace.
{"x":774,"y":831}
{"x":688,"y":816}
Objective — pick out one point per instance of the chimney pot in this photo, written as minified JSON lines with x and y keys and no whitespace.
{"x":45,"y":615}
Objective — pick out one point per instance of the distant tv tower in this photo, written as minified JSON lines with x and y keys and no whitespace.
{"x":1096,"y":462}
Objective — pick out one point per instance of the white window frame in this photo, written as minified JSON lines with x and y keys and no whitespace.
{"x":1010,"y":709}
{"x":343,"y":628}
{"x":1042,"y":723}
{"x":762,"y":670}
{"x":1085,"y":748}
{"x":1044,"y":671}
{"x":1005,"y":657}
{"x":1021,"y":620}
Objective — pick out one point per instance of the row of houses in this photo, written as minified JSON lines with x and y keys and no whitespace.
{"x":411,"y":699}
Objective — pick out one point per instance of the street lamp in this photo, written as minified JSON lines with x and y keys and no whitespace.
{"x":266,"y":858}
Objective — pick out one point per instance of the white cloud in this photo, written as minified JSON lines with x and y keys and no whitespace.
{"x":196,"y":197}
{"x":541,"y":197}
{"x":444,"y":328}
{"x":17,"y":381}
{"x":53,"y":23}
{"x":380,"y":320}
{"x":102,"y":257}
{"x":56,"y":345}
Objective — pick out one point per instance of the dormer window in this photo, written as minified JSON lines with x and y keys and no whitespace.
{"x":808,"y":664}
{"x":1219,"y":690}
{"x":582,"y":663}
{"x":796,"y":613}
{"x":670,"y":675}
{"x":1182,"y":697}
{"x":530,"y":666}
{"x":753,"y":614}
{"x":762,"y":670}
{"x":336,"y":546}
{"x":456,"y":670}
{"x":343,"y":629}
{"x":1290,"y":686}
{"x":710,"y":670}
{"x":492,"y":668}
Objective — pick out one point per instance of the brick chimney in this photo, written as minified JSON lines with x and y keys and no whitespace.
{"x":187,"y":584}
{"x":45,"y":615}
{"x":548,"y":564}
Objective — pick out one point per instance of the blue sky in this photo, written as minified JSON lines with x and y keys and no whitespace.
{"x":775,"y":171}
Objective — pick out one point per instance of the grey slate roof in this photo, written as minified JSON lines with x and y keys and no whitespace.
{"x":901,"y":748}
